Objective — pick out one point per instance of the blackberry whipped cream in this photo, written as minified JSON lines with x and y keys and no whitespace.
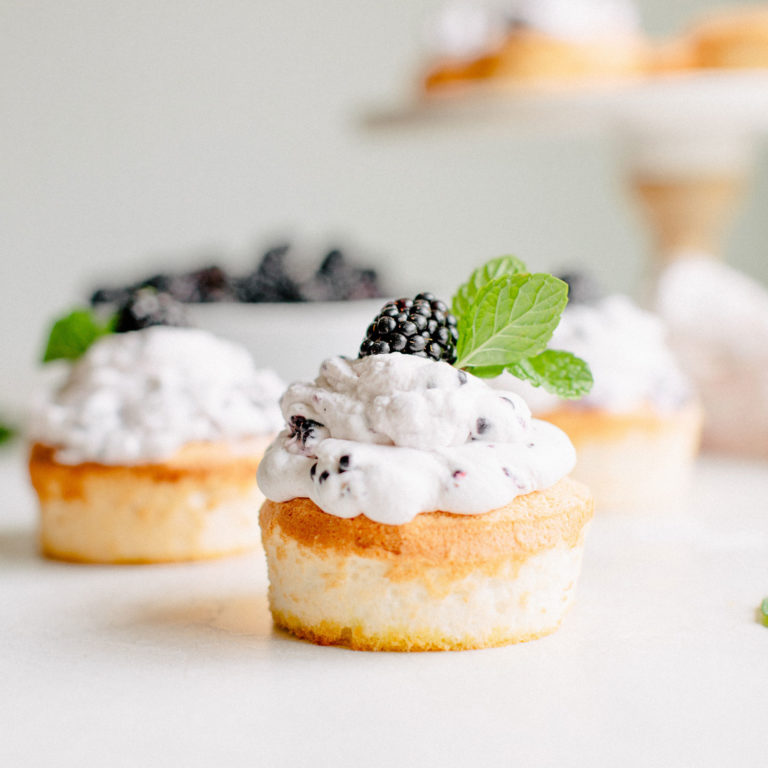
{"x":138,"y":397}
{"x":392,"y":435}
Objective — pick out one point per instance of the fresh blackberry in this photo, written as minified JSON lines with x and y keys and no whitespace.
{"x":338,"y":280}
{"x":115,"y":296}
{"x":160,"y":282}
{"x":421,"y":326}
{"x":148,"y":307}
{"x":207,"y":285}
{"x":303,"y":428}
{"x":270,"y":281}
{"x":367,"y":285}
{"x":122,"y":295}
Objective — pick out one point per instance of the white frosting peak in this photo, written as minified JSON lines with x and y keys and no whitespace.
{"x":406,"y":401}
{"x":390,"y":436}
{"x":579,"y":20}
{"x":138,"y":397}
{"x":718,"y":306}
{"x":464,"y":28}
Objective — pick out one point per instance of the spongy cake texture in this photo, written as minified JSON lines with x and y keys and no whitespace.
{"x":200,"y":504}
{"x":440,"y":582}
{"x":637,"y":462}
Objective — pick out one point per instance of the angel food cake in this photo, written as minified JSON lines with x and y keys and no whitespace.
{"x":718,"y":322}
{"x":148,"y":452}
{"x":732,"y":38}
{"x":637,"y":432}
{"x":411,"y":506}
{"x":541,"y":42}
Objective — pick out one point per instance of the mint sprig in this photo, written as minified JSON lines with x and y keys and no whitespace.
{"x":467,"y":293}
{"x":557,"y":371}
{"x":6,"y":433}
{"x":72,"y":334}
{"x":506,"y":317}
{"x":512,"y":317}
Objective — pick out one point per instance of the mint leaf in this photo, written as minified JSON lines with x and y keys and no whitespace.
{"x":512,"y":317}
{"x":764,"y":612}
{"x":462,"y":302}
{"x":561,"y":373}
{"x":72,"y":334}
{"x":6,"y":433}
{"x":487,"y":372}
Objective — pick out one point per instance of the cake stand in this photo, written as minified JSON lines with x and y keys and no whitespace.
{"x":687,"y":139}
{"x":687,"y":144}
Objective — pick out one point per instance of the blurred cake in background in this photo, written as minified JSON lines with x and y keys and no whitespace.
{"x":463,"y":38}
{"x":718,"y":324}
{"x":148,"y":450}
{"x":733,"y":38}
{"x":293,"y":309}
{"x":637,"y":432}
{"x":538,"y":42}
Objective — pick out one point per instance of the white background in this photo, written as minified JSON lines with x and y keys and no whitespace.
{"x":661,"y":662}
{"x":146,"y":134}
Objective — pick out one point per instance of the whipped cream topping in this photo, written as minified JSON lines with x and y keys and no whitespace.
{"x":465,"y":28}
{"x":627,"y":351}
{"x":720,"y":311}
{"x":390,"y":436}
{"x":578,"y":20}
{"x":718,"y":322}
{"x":138,"y":397}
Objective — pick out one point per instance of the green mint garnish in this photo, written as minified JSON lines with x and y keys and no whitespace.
{"x":764,"y":612}
{"x":561,"y":373}
{"x":506,"y":317}
{"x":72,"y":334}
{"x":467,"y":293}
{"x":6,"y":433}
{"x":512,"y":317}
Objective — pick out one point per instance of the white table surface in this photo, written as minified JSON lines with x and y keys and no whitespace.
{"x":662,"y":661}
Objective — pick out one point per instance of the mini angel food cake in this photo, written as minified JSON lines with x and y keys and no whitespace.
{"x":733,"y":38}
{"x":149,"y":450}
{"x":554,"y":43}
{"x":637,"y":432}
{"x":571,"y":40}
{"x":413,"y":507}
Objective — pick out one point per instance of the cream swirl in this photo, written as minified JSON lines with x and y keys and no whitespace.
{"x":138,"y":397}
{"x":390,"y":436}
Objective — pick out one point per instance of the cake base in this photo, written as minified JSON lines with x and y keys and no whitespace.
{"x":535,"y":60}
{"x":529,"y":56}
{"x":733,"y":39}
{"x":440,"y":582}
{"x":635,"y":462}
{"x":203,"y":503}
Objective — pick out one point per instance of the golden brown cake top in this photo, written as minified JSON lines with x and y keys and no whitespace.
{"x":528,"y":524}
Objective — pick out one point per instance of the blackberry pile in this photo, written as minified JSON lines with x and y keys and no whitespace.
{"x":147,"y":307}
{"x":271,"y":280}
{"x":422,"y":326}
{"x":339,"y":280}
{"x":207,"y":285}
